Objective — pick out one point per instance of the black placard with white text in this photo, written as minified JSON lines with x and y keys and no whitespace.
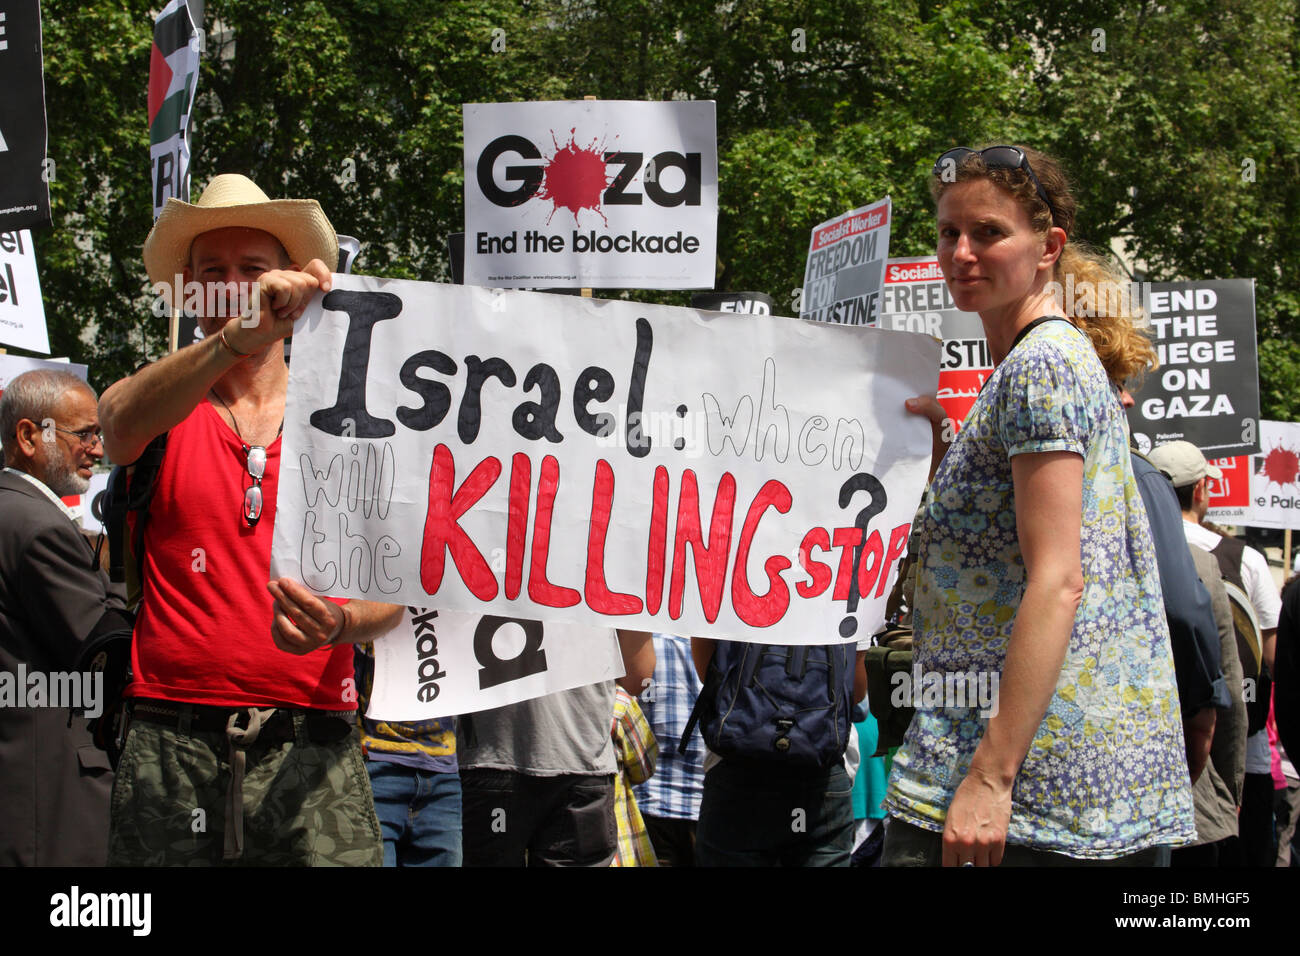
{"x":1206,"y":389}
{"x":746,"y":303}
{"x":24,"y":176}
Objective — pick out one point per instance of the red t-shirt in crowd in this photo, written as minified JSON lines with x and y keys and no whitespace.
{"x":203,"y":635}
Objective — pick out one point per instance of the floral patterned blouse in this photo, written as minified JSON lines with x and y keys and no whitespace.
{"x":1106,"y":774}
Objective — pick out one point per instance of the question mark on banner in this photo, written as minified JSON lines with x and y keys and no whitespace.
{"x":869,"y":483}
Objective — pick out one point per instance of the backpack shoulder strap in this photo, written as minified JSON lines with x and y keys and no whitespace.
{"x":707,"y":699}
{"x":130,"y":489}
{"x":1229,"y":552}
{"x":113,"y":521}
{"x":144,"y":479}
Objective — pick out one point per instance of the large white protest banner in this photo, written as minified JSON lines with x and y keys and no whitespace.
{"x":440,"y":663}
{"x":591,"y":193}
{"x":22,"y":311}
{"x":845,"y":268}
{"x":602,"y":463}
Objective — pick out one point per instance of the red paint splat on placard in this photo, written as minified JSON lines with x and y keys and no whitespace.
{"x":575,"y":177}
{"x":1282,"y":466}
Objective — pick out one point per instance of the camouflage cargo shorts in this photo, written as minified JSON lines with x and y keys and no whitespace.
{"x":305,"y":803}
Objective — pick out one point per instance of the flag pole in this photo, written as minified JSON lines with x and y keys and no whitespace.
{"x":585,"y":292}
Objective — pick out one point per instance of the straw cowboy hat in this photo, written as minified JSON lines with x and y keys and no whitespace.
{"x":234,"y":200}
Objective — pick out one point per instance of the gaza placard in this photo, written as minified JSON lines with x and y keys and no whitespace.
{"x":606,"y":463}
{"x":1206,"y":388}
{"x":591,"y":193}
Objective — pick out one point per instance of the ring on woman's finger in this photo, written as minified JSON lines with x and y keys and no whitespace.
{"x":969,"y":863}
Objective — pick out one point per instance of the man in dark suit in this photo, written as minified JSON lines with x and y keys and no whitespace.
{"x":54,"y":782}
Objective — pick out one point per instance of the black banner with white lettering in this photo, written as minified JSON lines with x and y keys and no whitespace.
{"x":747,"y":303}
{"x":1206,"y":390}
{"x":24,"y":180}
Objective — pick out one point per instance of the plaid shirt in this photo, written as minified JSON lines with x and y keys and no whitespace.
{"x":675,"y":790}
{"x":636,"y":749}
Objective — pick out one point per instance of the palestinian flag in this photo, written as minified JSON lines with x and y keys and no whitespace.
{"x":173,"y":78}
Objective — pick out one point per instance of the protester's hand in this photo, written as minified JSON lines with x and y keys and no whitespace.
{"x":940,"y":427}
{"x":277,"y":301}
{"x":978,"y":817}
{"x":301,"y":622}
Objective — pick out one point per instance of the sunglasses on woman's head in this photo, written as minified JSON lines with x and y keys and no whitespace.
{"x":995,"y":157}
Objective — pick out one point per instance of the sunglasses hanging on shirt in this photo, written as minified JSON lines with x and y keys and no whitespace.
{"x":254,"y":464}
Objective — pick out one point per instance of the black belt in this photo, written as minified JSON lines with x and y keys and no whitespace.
{"x":322,"y":726}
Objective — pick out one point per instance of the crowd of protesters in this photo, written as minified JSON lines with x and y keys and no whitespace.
{"x":1132,"y":724}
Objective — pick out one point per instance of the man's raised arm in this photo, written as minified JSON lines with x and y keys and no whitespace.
{"x":135,"y":410}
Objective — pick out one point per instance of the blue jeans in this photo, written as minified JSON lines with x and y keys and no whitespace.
{"x":419,"y":814}
{"x":752,"y":816}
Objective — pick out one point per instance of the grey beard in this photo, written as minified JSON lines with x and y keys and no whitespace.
{"x":61,"y":477}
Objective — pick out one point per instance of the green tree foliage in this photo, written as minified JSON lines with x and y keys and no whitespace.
{"x":1185,"y":121}
{"x":1178,"y":120}
{"x":92,"y":280}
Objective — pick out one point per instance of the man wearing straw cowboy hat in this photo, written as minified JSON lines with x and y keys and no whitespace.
{"x":238,"y":751}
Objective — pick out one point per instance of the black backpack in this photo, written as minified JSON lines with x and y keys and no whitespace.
{"x":777,"y":705}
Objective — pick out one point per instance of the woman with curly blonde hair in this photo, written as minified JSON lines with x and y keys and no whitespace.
{"x":1037,"y":571}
